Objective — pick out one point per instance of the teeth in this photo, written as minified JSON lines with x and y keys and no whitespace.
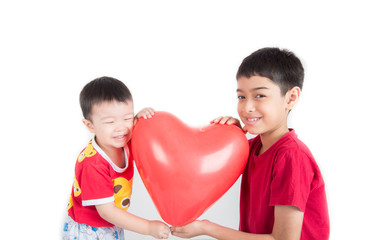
{"x":252,"y":119}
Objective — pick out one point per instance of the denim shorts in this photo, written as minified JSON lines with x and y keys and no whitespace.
{"x":76,"y":231}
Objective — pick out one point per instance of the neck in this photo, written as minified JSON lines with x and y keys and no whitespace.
{"x":117,"y":157}
{"x":270,"y":138}
{"x":115,"y":154}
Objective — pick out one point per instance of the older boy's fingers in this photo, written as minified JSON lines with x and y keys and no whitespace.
{"x":176,"y":231}
{"x":221,"y":120}
{"x":227,"y":120}
{"x":216,"y":120}
{"x":233,"y":121}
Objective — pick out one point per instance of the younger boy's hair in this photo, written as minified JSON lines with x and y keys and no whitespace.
{"x":100,"y":90}
{"x":281,"y":66}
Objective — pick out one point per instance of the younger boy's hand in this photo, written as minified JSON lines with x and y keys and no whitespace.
{"x":159,"y":230}
{"x":145,"y":113}
{"x":227,"y":120}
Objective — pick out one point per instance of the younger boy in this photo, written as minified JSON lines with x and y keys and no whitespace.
{"x":104,"y":169}
{"x":282,"y":190}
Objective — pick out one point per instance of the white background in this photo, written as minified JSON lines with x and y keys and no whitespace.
{"x":180,"y":57}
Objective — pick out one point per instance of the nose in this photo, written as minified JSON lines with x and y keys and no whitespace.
{"x":246,"y":106}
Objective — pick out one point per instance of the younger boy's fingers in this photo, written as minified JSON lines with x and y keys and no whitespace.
{"x":152,"y":111}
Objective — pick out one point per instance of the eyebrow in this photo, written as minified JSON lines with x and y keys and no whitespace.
{"x":112,"y":116}
{"x":254,"y":89}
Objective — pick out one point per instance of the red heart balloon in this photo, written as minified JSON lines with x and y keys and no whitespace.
{"x":185,"y":170}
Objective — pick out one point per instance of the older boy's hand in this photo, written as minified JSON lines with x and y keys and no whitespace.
{"x":145,"y":113}
{"x":227,"y":120}
{"x":190,"y":230}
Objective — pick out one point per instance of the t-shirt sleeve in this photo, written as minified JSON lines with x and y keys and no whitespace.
{"x":291,"y":179}
{"x":96,"y":185}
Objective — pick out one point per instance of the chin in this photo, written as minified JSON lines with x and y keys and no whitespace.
{"x":253,"y":131}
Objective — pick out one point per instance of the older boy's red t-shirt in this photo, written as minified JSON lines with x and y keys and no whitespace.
{"x":285,"y":174}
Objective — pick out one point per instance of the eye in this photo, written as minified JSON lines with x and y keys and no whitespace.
{"x":241,"y":98}
{"x":128,"y":119}
{"x":260,"y":96}
{"x":109,"y":122}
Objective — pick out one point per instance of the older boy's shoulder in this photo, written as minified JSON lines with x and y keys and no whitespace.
{"x":291,"y":144}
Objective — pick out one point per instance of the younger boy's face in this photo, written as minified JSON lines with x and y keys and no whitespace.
{"x":112,"y":123}
{"x":261,"y":106}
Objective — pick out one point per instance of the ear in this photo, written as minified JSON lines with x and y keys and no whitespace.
{"x":89,"y":125}
{"x":292,"y":97}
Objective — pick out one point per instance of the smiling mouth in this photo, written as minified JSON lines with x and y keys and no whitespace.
{"x":252,"y":119}
{"x":121,"y":137}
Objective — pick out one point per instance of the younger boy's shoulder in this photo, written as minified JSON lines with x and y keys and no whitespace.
{"x":90,"y":154}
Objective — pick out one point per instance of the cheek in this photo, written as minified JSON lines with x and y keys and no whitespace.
{"x":240,"y":108}
{"x":129,"y":127}
{"x":106,"y":131}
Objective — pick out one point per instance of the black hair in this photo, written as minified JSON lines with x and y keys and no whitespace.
{"x":283,"y":67}
{"x":100,"y":90}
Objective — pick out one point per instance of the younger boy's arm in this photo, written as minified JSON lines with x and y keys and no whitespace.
{"x":287,"y":226}
{"x":128,"y":221}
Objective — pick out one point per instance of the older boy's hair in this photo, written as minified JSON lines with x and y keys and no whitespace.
{"x":281,"y":66}
{"x":100,"y":90}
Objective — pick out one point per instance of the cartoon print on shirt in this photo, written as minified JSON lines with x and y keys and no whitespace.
{"x":88,"y":152}
{"x":122,"y":192}
{"x":70,"y":203}
{"x":77,"y":189}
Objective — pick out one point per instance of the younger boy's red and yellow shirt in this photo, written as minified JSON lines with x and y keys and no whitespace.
{"x":99,"y":181}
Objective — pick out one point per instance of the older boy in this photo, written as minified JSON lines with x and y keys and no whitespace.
{"x":282,"y":190}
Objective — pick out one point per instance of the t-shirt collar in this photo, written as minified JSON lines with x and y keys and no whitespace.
{"x":104,"y":155}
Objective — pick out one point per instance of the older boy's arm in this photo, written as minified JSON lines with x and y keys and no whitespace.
{"x":211,"y":229}
{"x":287,"y":226}
{"x":288,"y":222}
{"x":130,"y":222}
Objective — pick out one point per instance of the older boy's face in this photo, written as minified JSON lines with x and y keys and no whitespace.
{"x":112,"y":123}
{"x":261,"y":107}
